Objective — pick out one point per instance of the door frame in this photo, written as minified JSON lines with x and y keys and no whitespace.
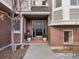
{"x":44,"y":27}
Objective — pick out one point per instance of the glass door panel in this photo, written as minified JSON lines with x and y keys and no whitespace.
{"x":39,"y":27}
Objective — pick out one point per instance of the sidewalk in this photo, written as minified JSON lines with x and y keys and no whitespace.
{"x":44,"y":52}
{"x":39,"y":52}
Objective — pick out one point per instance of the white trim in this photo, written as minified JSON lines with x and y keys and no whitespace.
{"x":66,"y":12}
{"x":70,"y":41}
{"x":16,"y":31}
{"x":5,"y":47}
{"x":56,"y":47}
{"x":57,"y":9}
{"x":40,"y":5}
{"x":74,"y":7}
{"x":35,"y":13}
{"x":63,"y":23}
{"x":21,"y":27}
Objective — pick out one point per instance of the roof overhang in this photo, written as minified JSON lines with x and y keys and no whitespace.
{"x":64,"y":23}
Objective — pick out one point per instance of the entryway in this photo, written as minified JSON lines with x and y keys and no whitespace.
{"x":39,"y":27}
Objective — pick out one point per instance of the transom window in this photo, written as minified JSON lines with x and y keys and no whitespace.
{"x":68,"y":36}
{"x":58,"y":3}
{"x":74,"y":2}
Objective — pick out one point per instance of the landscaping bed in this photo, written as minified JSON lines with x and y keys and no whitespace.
{"x":18,"y":54}
{"x":67,"y":50}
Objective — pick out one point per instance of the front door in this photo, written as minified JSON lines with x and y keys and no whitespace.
{"x":38,"y":27}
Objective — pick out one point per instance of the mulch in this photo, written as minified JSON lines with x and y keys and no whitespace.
{"x":18,"y":54}
{"x":67,"y":50}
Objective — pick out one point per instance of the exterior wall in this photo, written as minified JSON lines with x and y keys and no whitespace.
{"x":74,"y":14}
{"x":5,"y":31}
{"x":29,"y":26}
{"x":56,"y":35}
{"x":25,"y":5}
{"x":56,"y":38}
{"x":58,"y":15}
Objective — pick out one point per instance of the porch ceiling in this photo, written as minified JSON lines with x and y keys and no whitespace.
{"x":36,"y":17}
{"x":4,"y":8}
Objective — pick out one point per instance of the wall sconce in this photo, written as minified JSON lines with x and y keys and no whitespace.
{"x":2,"y":17}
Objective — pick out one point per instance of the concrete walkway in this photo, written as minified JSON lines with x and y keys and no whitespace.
{"x":39,"y":52}
{"x":44,"y":52}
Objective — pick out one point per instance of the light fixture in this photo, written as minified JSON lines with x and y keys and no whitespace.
{"x":2,"y":17}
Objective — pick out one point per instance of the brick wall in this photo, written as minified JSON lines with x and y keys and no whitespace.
{"x":5,"y":31}
{"x":56,"y":34}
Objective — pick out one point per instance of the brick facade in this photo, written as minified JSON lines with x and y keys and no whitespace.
{"x":56,"y":34}
{"x":5,"y":31}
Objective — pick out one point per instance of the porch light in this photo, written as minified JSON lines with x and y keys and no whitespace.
{"x":2,"y":14}
{"x":2,"y":17}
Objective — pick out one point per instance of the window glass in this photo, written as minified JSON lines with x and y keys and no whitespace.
{"x":33,"y":2}
{"x":58,"y":3}
{"x":16,"y":25}
{"x":78,"y":2}
{"x":43,"y":2}
{"x":68,"y":36}
{"x":73,"y":2}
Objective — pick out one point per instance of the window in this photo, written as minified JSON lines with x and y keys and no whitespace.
{"x":58,"y":3}
{"x":78,"y":2}
{"x":68,"y":36}
{"x":16,"y":25}
{"x":74,"y":2}
{"x":43,"y":2}
{"x":35,"y":3}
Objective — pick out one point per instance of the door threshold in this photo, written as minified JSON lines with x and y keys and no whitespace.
{"x":38,"y":36}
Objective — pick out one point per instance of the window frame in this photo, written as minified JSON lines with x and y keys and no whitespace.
{"x":17,"y":31}
{"x":70,"y":40}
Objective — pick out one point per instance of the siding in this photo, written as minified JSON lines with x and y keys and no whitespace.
{"x":25,"y":5}
{"x":74,"y":13}
{"x":58,"y":15}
